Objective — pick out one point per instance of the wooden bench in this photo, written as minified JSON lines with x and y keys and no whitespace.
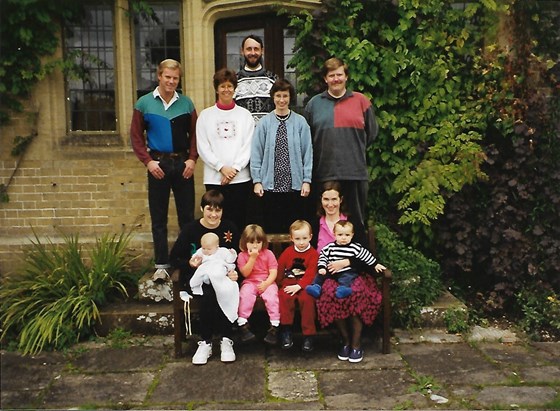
{"x":277,"y":243}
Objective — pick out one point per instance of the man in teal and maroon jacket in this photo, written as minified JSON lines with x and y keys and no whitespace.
{"x":343,"y":125}
{"x":163,"y":137}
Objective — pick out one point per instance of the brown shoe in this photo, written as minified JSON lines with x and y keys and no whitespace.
{"x":245,"y":333}
{"x":271,"y":336}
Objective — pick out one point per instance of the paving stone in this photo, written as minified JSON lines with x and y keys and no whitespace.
{"x":434,"y":335}
{"x":479,"y":333}
{"x":120,"y":359}
{"x":112,"y":390}
{"x":513,"y":397}
{"x":452,"y":364}
{"x":183,"y":382}
{"x":546,"y":374}
{"x":549,"y":351}
{"x":293,"y":385}
{"x":511,"y":354}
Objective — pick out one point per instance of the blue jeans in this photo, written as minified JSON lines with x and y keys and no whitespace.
{"x":344,"y":278}
{"x":158,"y":200}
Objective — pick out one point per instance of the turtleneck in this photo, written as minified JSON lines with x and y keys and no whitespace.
{"x":222,"y":106}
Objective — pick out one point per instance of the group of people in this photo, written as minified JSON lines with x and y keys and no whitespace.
{"x":284,"y":162}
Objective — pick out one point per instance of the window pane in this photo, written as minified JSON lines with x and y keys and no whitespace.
{"x":91,"y":96}
{"x":156,"y":39}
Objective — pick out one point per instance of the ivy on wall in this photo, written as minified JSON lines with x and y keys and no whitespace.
{"x":417,"y":61}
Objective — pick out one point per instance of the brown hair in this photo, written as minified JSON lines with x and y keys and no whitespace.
{"x":283,"y":85}
{"x":223,"y":75}
{"x":332,"y":64}
{"x":327,"y":186}
{"x":344,"y":224}
{"x":252,"y":233}
{"x":213,"y":199}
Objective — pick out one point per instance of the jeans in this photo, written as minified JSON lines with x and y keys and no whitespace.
{"x":158,"y":199}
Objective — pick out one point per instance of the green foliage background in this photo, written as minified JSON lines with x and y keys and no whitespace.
{"x":465,"y":165}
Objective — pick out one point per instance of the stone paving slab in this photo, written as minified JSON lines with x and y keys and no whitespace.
{"x":144,"y":375}
{"x":451,"y":364}
{"x":515,"y":397}
{"x":111,"y":390}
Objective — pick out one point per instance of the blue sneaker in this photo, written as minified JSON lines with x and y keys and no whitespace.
{"x":344,"y":353}
{"x":314,"y":290}
{"x":342,"y":291}
{"x":356,"y":355}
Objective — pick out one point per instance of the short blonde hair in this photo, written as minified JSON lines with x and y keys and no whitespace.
{"x":169,"y":64}
{"x":252,"y":233}
{"x":299,"y":224}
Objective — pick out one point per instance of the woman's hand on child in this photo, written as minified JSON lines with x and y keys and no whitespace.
{"x":232,"y":275}
{"x":292,"y":289}
{"x":195,"y":261}
{"x":338,"y":265}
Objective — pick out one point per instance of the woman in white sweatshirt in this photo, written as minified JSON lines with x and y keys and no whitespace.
{"x":224,"y":133}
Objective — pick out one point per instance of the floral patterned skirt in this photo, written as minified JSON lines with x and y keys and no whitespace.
{"x":365,"y":301}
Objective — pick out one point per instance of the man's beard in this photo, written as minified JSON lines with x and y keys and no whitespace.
{"x":253,"y":66}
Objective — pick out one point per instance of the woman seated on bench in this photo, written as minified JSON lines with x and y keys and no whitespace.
{"x":212,"y":318}
{"x":364,"y":303}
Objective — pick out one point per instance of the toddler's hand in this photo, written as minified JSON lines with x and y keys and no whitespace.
{"x":380,"y":267}
{"x":322,"y":271}
{"x":292,"y":289}
{"x":262,"y":286}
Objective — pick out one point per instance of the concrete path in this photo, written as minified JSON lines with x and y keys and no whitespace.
{"x":489,"y":369}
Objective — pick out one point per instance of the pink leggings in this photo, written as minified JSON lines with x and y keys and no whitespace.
{"x":248,"y":294}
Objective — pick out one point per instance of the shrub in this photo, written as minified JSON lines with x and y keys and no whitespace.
{"x":540,"y":308}
{"x":56,"y":300}
{"x":416,"y":279}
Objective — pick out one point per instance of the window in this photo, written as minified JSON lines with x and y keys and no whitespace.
{"x":91,"y":90}
{"x":156,"y":38}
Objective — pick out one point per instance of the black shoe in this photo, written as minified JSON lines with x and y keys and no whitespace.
{"x":287,"y":340}
{"x":307,"y":344}
{"x":271,"y":336}
{"x":245,"y":333}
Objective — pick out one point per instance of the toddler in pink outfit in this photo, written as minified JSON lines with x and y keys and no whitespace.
{"x":259,"y":267}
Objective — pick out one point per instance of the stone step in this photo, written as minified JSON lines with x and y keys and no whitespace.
{"x":150,"y":291}
{"x":138,"y":317}
{"x":146,"y":316}
{"x":433,"y":316}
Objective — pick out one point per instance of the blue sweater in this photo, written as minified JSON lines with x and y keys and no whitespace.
{"x":299,"y":148}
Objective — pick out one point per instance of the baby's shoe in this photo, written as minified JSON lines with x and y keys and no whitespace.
{"x":314,"y":290}
{"x":342,"y":291}
{"x":271,"y":336}
{"x":245,"y":333}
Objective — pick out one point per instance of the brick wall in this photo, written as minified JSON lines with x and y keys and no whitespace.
{"x":62,"y":189}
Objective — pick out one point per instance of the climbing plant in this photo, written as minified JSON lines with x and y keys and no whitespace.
{"x":418,"y":62}
{"x":29,"y":39}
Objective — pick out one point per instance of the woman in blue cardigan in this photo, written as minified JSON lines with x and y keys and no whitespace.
{"x":282,"y":161}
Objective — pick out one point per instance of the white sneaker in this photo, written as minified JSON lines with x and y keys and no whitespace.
{"x":202,"y":354}
{"x":226,"y":347}
{"x":160,"y":275}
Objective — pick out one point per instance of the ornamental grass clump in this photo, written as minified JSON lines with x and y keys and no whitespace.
{"x":55,"y":301}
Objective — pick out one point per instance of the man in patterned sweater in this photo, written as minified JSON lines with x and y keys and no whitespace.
{"x":163,"y":137}
{"x":253,"y":81}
